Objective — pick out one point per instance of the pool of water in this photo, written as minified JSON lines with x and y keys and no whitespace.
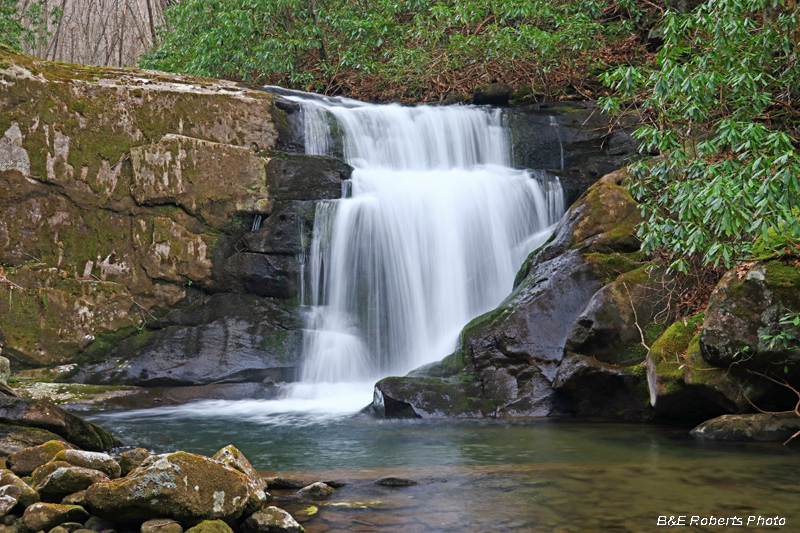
{"x":484,"y":476}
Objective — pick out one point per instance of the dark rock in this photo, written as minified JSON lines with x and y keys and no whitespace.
{"x":211,"y":526}
{"x":318,"y":490}
{"x":183,"y":486}
{"x":572,"y":139}
{"x":45,"y":516}
{"x":509,"y":356}
{"x":425,"y":397}
{"x":303,"y":177}
{"x":94,"y":460}
{"x":195,"y":344}
{"x":24,"y":462}
{"x":750,"y":427}
{"x":493,"y":94}
{"x":71,"y":527}
{"x":395,"y":482}
{"x":98,"y":524}
{"x":161,"y":525}
{"x":132,"y":459}
{"x":269,"y":276}
{"x":271,"y":520}
{"x":603,"y":390}
{"x":684,"y":386}
{"x":78,"y":498}
{"x":287,"y":230}
{"x":45,"y":415}
{"x":282,"y":483}
{"x":335,"y":484}
{"x":17,"y":438}
{"x":743,"y":308}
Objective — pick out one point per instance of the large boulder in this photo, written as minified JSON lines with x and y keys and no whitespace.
{"x":183,"y":486}
{"x":15,"y":438}
{"x":597,"y":389}
{"x":45,"y":415}
{"x":745,"y":307}
{"x":509,"y":357}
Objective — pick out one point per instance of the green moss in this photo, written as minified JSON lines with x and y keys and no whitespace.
{"x":611,"y":265}
{"x":675,"y":340}
{"x":784,"y":280}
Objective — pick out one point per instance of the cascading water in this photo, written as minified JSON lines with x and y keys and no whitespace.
{"x":433,"y":231}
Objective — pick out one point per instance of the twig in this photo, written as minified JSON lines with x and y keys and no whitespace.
{"x":636,"y":318}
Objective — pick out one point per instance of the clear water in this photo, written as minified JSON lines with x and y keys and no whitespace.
{"x":482,"y":476}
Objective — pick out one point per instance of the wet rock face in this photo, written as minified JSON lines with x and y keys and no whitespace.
{"x":509,"y":357}
{"x":192,"y":346}
{"x":744,"y":308}
{"x":183,"y":486}
{"x":568,"y":138}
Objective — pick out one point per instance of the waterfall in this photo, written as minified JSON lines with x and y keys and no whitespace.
{"x":430,"y":234}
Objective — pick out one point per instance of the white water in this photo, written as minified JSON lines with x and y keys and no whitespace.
{"x":432,"y":236}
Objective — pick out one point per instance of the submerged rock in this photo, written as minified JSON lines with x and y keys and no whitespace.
{"x":183,"y":486}
{"x":318,"y":490}
{"x":750,"y":427}
{"x":395,"y":482}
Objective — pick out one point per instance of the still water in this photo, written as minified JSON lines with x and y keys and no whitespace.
{"x":483,"y":476}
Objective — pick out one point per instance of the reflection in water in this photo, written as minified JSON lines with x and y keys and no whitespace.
{"x":478,"y":476}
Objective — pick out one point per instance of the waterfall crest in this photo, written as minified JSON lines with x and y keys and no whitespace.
{"x":433,"y":230}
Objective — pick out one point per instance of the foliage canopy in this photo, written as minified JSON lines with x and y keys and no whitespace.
{"x":721,"y":107}
{"x":397,"y":49}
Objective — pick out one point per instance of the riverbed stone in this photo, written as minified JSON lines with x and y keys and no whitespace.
{"x":231,"y":456}
{"x":768,"y":427}
{"x":58,"y":479}
{"x":211,"y":526}
{"x":15,"y":438}
{"x":391,"y":481}
{"x":186,"y":487}
{"x":271,"y":520}
{"x":318,"y":490}
{"x":161,"y":525}
{"x":95,"y":523}
{"x":280,"y":483}
{"x":24,"y":462}
{"x":11,"y":483}
{"x":93,"y":460}
{"x":131,"y":459}
{"x":45,"y":516}
{"x":7,"y":502}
